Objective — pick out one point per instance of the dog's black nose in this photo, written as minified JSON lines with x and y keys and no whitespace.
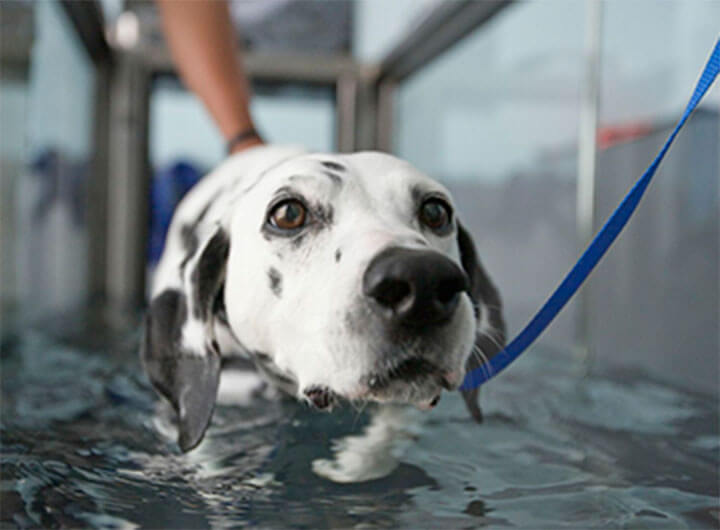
{"x":413,"y":287}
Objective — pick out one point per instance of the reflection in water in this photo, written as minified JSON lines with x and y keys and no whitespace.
{"x":83,"y":444}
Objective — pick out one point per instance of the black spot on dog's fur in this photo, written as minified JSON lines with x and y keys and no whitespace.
{"x":325,"y":214}
{"x":262,"y":356}
{"x":206,"y":208}
{"x":275,"y":281}
{"x":209,"y":272}
{"x":298,"y":239}
{"x":218,"y":308}
{"x":188,"y":232}
{"x":238,"y":363}
{"x":335,"y":166}
{"x":417,"y":194}
{"x":338,"y":255}
{"x":189,"y":238}
{"x":337,"y":179}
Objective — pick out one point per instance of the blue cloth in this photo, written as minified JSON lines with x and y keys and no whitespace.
{"x":169,"y":185}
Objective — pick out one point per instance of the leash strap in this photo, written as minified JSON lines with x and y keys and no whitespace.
{"x":595,"y":251}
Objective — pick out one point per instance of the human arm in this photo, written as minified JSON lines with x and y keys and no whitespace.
{"x":202,"y":42}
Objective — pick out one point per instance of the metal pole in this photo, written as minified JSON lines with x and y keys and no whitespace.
{"x":446,"y":25}
{"x":128,"y":185}
{"x":97,"y":185}
{"x":587,"y":158}
{"x":346,"y":90}
{"x":384,"y":120}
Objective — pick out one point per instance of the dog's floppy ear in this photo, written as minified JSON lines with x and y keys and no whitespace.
{"x":490,"y":338}
{"x":179,"y":351}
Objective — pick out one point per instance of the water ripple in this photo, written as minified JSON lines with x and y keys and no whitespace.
{"x":86,"y":444}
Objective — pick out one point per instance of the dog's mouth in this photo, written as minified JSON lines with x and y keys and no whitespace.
{"x":414,"y":380}
{"x":411,"y":370}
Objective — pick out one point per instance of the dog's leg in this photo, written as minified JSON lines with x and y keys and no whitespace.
{"x":374,"y":453}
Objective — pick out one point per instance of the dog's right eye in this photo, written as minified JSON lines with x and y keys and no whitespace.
{"x":290,"y":214}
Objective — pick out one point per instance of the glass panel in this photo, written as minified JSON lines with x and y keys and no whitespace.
{"x":295,"y":25}
{"x":185,"y":144}
{"x":46,"y":152}
{"x":380,"y":25}
{"x":111,"y":10}
{"x":496,"y":119}
{"x":657,"y":291}
{"x":181,"y":128}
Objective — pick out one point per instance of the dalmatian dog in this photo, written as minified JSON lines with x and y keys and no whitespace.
{"x":338,"y":277}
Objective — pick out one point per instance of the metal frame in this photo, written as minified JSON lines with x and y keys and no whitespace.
{"x":87,"y":19}
{"x":128,"y":184}
{"x":97,"y":186}
{"x":120,"y":188}
{"x":344,"y":75}
{"x":444,"y":27}
{"x":346,"y":109}
{"x":264,"y":66}
{"x":587,"y":162}
{"x":17,"y":21}
{"x":16,"y":40}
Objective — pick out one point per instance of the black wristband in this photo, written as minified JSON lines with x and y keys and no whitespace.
{"x":241,"y":137}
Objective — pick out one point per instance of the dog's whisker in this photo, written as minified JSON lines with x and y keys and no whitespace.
{"x":484,"y":361}
{"x":487,"y":372}
{"x":490,"y":334}
{"x":359,"y":406}
{"x":494,"y":306}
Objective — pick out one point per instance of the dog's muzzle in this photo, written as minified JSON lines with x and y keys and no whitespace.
{"x":412,"y":287}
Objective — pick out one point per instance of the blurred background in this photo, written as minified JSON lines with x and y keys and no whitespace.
{"x":537,"y":115}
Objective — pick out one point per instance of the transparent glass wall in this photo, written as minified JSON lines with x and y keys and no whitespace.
{"x":47,"y":110}
{"x":181,"y":128}
{"x":656,"y":293}
{"x":185,"y":143}
{"x":496,"y":119}
{"x":378,"y":25}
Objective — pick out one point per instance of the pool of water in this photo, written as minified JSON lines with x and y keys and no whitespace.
{"x":82,"y":447}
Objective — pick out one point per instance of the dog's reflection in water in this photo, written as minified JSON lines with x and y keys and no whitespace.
{"x":371,"y":453}
{"x":375,"y":452}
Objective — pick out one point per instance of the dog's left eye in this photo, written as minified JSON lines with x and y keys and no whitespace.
{"x":290,"y":214}
{"x":436,"y":214}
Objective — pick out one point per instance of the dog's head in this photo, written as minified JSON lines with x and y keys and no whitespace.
{"x":347,"y":277}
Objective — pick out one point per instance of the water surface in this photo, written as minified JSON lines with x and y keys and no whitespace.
{"x":83,"y":446}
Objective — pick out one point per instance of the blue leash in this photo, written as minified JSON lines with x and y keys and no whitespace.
{"x":595,"y":251}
